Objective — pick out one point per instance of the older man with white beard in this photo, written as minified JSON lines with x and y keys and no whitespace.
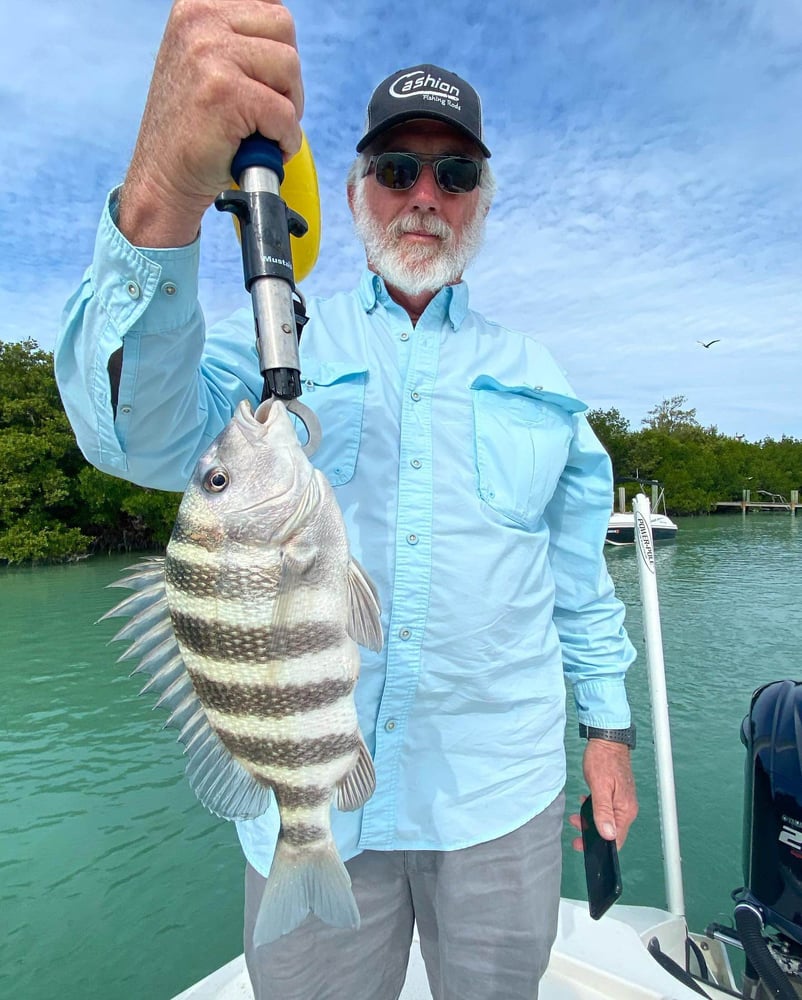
{"x":419,"y":239}
{"x":472,"y":487}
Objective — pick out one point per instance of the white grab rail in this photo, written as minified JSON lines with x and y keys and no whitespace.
{"x":664,"y":761}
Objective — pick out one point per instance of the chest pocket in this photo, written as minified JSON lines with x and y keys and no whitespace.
{"x":336,"y":392}
{"x":522,"y":437}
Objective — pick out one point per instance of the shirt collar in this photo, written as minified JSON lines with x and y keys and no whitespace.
{"x":451,"y":300}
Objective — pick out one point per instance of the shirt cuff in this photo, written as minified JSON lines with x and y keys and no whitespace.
{"x":602,"y":704}
{"x":154,"y":289}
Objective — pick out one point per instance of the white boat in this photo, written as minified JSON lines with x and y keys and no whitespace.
{"x":648,"y":953}
{"x":606,"y":959}
{"x":621,"y":526}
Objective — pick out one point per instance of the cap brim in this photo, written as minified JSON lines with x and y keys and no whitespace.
{"x":406,"y":116}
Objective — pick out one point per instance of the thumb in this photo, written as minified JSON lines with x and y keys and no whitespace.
{"x":604,"y":818}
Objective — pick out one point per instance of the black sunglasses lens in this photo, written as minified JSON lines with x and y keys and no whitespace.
{"x":397,"y":171}
{"x":457,"y":174}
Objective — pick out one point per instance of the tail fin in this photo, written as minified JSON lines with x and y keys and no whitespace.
{"x":320,"y":885}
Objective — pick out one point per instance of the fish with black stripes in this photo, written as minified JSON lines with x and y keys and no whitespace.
{"x":248,"y":628}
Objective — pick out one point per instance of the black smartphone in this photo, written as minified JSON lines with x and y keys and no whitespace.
{"x":602,"y":872}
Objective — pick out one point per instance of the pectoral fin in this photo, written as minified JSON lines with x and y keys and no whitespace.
{"x":364,"y":618}
{"x":359,"y":784}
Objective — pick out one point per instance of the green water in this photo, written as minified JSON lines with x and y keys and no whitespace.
{"x":116,"y":884}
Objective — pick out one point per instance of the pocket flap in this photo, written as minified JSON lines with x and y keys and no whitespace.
{"x":330,"y":372}
{"x":335,"y":390}
{"x":568,"y":403}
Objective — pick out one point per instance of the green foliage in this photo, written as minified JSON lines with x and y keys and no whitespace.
{"x":670,"y":418}
{"x":124,"y":516}
{"x":25,"y":542}
{"x":53,"y":505}
{"x":613,"y":431}
{"x":698,"y":466}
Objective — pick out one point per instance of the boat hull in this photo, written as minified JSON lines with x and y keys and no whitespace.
{"x":621,"y":529}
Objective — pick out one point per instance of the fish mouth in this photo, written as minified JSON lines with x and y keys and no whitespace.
{"x":254,"y":424}
{"x":270,"y":422}
{"x":267,"y":411}
{"x":286,"y":420}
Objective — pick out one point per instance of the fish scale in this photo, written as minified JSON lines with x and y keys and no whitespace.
{"x":248,"y":629}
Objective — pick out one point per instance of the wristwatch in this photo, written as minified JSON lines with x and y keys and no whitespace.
{"x":625,"y":736}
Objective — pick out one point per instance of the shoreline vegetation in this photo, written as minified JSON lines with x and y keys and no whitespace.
{"x":55,"y":506}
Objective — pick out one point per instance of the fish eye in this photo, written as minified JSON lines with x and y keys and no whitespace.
{"x":215,"y":480}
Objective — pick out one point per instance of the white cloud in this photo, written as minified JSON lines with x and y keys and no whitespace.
{"x":648,"y":156}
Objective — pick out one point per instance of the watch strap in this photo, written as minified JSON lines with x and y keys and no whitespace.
{"x":625,"y":736}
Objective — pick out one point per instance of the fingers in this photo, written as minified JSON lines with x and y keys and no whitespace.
{"x":270,"y":96}
{"x":608,"y":771}
{"x":225,"y":45}
{"x":225,"y":69}
{"x":249,"y":94}
{"x":258,"y":17}
{"x":576,"y":822}
{"x":255,"y":37}
{"x":604,"y":813}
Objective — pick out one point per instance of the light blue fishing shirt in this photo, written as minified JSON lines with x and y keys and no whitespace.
{"x":474,"y":492}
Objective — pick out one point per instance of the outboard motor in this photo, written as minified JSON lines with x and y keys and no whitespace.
{"x":768,"y":912}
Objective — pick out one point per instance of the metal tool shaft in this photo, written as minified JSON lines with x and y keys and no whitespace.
{"x":273,"y":308}
{"x":266,"y":224}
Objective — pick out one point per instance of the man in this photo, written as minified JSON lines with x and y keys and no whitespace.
{"x":473,"y":489}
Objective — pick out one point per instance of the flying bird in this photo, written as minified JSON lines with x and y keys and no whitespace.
{"x":709,"y":343}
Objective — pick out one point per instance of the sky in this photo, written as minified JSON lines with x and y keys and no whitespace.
{"x":648,"y":155}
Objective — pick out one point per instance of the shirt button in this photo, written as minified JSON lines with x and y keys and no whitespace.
{"x":415,"y":395}
{"x":133,"y":289}
{"x":125,"y":409}
{"x":405,"y":335}
{"x":415,"y":463}
{"x":390,"y":725}
{"x":169,"y":288}
{"x":404,"y":633}
{"x":412,"y":539}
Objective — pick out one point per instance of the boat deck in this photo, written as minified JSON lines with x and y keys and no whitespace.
{"x":591,"y":960}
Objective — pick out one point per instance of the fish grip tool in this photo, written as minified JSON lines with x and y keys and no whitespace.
{"x":266,"y":223}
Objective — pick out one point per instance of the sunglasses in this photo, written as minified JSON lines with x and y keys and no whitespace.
{"x":400,"y":171}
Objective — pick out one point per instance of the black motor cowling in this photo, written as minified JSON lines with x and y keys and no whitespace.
{"x":772,"y":734}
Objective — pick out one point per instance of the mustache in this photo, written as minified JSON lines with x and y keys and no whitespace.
{"x":416,"y":222}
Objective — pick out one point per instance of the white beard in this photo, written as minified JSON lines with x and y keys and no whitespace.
{"x":418,"y":267}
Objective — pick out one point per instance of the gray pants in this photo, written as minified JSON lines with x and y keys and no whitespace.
{"x":486,"y":916}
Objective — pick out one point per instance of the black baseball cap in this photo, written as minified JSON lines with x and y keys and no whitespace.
{"x":424,"y":91}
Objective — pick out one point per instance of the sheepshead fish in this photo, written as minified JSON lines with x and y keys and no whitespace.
{"x":248,"y":628}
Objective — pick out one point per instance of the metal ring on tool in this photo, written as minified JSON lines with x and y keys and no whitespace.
{"x":310,"y":421}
